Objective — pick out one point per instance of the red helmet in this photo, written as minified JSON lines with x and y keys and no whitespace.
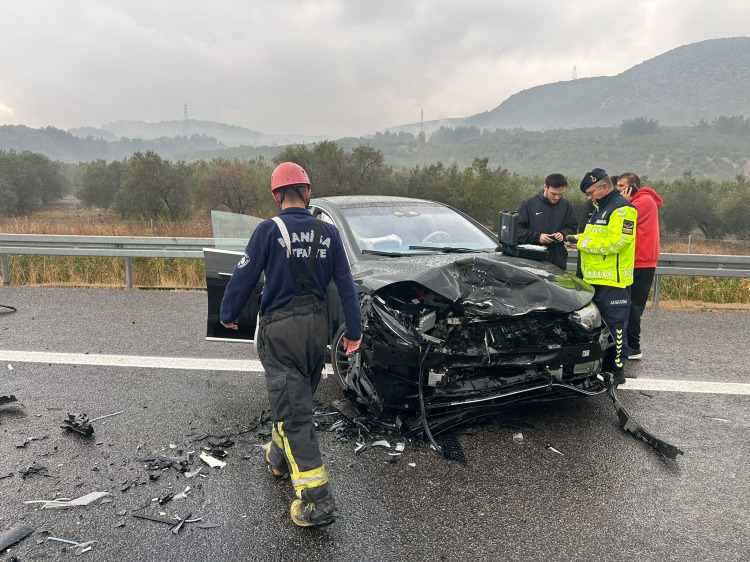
{"x":288,"y":173}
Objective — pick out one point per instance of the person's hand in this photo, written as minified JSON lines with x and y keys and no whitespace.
{"x":570,"y":245}
{"x":350,"y":346}
{"x":231,"y":325}
{"x":545,"y":239}
{"x":627,"y":193}
{"x":557,"y":236}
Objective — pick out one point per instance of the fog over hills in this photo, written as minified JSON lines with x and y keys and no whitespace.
{"x":228,"y":135}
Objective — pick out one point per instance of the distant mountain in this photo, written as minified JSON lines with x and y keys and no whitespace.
{"x":62,"y":145}
{"x":229,"y":135}
{"x":698,"y":81}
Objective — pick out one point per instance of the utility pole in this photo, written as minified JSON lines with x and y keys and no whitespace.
{"x":421,"y":138}
{"x":185,"y":123}
{"x":575,"y":73}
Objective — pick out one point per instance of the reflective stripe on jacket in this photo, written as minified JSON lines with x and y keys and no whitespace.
{"x":607,"y":245}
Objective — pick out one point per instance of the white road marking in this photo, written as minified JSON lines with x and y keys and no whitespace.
{"x":254,"y":366}
{"x":687,"y":386}
{"x":189,"y":363}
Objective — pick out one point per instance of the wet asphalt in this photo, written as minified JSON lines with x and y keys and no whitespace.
{"x":609,"y":497}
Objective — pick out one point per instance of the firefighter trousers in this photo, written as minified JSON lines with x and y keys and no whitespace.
{"x":614,"y":305}
{"x":291,"y":346}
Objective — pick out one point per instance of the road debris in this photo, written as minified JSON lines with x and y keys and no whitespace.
{"x":215,"y":442}
{"x":155,"y":518}
{"x":10,"y":367}
{"x":518,"y":438}
{"x":193,"y":473}
{"x":78,"y":423}
{"x":7,"y":400}
{"x":552,"y":448}
{"x":631,"y":426}
{"x":66,"y":502}
{"x":182,"y":495}
{"x":382,"y":443}
{"x":211,"y":461}
{"x":80,"y":547}
{"x":412,"y":464}
{"x":15,"y":534}
{"x":400,"y":447}
{"x":359,"y":448}
{"x":176,"y":528}
{"x":34,"y":469}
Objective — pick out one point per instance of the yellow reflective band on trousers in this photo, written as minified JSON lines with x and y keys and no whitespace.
{"x":618,"y":347}
{"x":310,"y":478}
{"x":276,"y":438}
{"x":288,"y":450}
{"x":301,"y":480}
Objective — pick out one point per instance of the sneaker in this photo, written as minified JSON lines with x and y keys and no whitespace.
{"x":308,"y":513}
{"x":276,"y":473}
{"x":635,"y":353}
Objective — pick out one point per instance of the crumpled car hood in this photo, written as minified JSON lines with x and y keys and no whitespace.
{"x":485,"y":284}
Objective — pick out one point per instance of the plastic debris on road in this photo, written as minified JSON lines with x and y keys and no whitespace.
{"x":518,"y":438}
{"x":80,"y":547}
{"x":211,"y":461}
{"x":400,"y":447}
{"x":552,"y":448}
{"x":7,"y":400}
{"x":78,"y":423}
{"x":15,"y":534}
{"x":66,"y":502}
{"x":382,"y":443}
{"x":412,"y":464}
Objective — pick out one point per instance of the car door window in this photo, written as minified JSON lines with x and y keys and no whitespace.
{"x":232,"y":231}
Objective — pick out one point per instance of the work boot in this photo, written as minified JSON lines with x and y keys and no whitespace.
{"x":314,"y":509}
{"x":634,"y":353}
{"x":277,"y":473}
{"x":618,"y":376}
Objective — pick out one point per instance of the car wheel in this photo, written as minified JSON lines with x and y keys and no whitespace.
{"x":339,"y":359}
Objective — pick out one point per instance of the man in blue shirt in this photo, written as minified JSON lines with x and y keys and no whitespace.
{"x":300,"y":255}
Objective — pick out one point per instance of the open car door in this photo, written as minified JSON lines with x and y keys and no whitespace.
{"x":231,"y":233}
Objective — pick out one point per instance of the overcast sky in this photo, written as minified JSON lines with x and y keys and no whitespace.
{"x":321,"y":67}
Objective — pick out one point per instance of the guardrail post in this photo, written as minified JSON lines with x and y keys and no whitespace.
{"x":690,"y":239}
{"x":129,"y":272}
{"x":5,"y":268}
{"x":657,"y":291}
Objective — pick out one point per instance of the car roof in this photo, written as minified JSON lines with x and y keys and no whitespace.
{"x":348,"y":201}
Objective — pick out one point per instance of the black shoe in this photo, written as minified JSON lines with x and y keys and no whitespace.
{"x":634,"y":353}
{"x":618,"y":376}
{"x":311,"y":512}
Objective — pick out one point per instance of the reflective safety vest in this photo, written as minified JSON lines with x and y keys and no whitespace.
{"x":607,"y":245}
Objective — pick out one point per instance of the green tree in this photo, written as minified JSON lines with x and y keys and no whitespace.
{"x":100,"y":183}
{"x":638,"y":126}
{"x":239,"y":186}
{"x":154,"y":187}
{"x":690,"y":203}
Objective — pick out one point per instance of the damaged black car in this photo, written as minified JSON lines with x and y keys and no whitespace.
{"x":455,"y":325}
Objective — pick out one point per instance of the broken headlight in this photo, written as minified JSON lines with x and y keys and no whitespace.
{"x":588,"y":317}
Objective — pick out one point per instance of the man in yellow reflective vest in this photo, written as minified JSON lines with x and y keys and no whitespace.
{"x":607,"y":249}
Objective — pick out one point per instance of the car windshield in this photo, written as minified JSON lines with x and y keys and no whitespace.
{"x":395,"y":228}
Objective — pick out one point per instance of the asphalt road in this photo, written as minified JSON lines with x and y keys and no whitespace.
{"x":609,"y":497}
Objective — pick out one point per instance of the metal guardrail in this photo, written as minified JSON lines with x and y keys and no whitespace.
{"x":698,"y":265}
{"x":127,"y":247}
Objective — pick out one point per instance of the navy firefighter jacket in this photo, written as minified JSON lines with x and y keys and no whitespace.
{"x":266,"y":252}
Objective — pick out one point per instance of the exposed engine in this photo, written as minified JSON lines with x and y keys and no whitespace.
{"x":466,"y":357}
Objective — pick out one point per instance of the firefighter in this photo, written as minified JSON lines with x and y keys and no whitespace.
{"x":607,"y":249}
{"x":299,"y":255}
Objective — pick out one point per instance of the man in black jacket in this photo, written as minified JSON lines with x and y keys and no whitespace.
{"x":546,"y":218}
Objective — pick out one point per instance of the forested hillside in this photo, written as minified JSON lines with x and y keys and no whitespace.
{"x":689,"y":83}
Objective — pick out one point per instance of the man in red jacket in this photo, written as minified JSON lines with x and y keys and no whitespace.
{"x":647,"y":203}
